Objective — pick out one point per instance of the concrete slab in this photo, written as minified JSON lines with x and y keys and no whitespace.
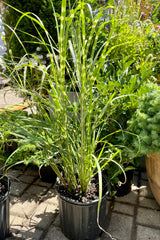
{"x":123,"y":208}
{"x":34,"y":212}
{"x":8,"y":97}
{"x":146,"y":233}
{"x":120,"y":227}
{"x":148,"y":217}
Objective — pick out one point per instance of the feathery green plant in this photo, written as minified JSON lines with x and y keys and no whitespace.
{"x":145,"y":121}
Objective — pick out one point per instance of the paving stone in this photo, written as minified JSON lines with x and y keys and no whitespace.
{"x":120,"y":227}
{"x":24,"y":207}
{"x":37,"y":190}
{"x":13,"y":200}
{"x":27,"y":234}
{"x":26,"y":179}
{"x":148,"y":217}
{"x":149,"y":203}
{"x":34,"y":211}
{"x":55,"y":233}
{"x":123,"y":208}
{"x":19,"y":227}
{"x":56,"y":222}
{"x":10,"y":97}
{"x":51,"y":197}
{"x":145,"y":233}
{"x":130,"y":198}
{"x":43,"y":216}
{"x":13,"y":238}
{"x":17,"y":188}
{"x":145,"y":190}
{"x":13,"y":174}
{"x":16,"y":223}
{"x":32,"y":172}
{"x":39,"y":182}
{"x":31,"y":233}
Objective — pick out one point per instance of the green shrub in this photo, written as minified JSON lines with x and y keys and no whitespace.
{"x":9,"y":143}
{"x":43,"y":9}
{"x":145,"y":121}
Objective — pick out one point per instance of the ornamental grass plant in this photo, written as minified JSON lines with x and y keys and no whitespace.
{"x":69,"y":132}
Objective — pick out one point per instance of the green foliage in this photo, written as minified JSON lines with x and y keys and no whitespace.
{"x":13,"y":147}
{"x":26,"y":30}
{"x":28,"y":154}
{"x":155,"y":10}
{"x":132,"y":61}
{"x":138,"y":47}
{"x":6,"y":127}
{"x":145,"y":121}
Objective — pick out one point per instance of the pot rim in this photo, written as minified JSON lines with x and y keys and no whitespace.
{"x":76,"y":202}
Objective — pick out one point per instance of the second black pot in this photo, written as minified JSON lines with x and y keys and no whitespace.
{"x":47,"y":174}
{"x":124,"y":189}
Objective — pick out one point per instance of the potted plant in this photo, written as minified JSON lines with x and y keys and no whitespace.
{"x":69,"y":138}
{"x":145,"y":123}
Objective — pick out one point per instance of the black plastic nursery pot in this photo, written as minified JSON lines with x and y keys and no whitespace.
{"x":4,"y":209}
{"x":79,"y":220}
{"x":47,"y":174}
{"x":124,"y":189}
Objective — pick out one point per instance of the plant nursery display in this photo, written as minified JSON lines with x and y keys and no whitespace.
{"x":66,"y":132}
{"x":145,"y":123}
{"x":74,"y":136}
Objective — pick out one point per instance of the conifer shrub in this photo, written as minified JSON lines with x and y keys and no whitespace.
{"x":145,"y":122}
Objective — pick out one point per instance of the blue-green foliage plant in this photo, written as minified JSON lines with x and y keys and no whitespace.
{"x":146,"y":120}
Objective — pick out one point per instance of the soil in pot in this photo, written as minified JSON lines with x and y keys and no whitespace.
{"x":78,"y":213}
{"x":4,"y":207}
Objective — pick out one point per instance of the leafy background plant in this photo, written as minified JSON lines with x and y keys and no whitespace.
{"x":26,"y":28}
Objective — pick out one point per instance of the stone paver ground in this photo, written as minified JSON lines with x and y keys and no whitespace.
{"x":34,"y":213}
